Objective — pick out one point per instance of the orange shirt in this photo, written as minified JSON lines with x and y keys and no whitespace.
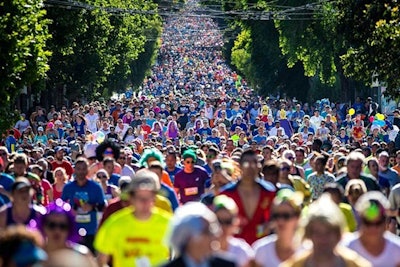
{"x":166,"y":180}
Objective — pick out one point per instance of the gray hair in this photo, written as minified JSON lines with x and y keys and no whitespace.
{"x":191,"y":220}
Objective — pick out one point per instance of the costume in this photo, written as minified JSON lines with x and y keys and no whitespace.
{"x":253,"y":228}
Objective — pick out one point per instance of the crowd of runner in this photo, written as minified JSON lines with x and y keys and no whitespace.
{"x":198,"y":170}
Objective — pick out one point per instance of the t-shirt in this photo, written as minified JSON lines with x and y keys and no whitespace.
{"x":173,"y":173}
{"x":239,"y":251}
{"x":114,"y":178}
{"x":369,"y":181}
{"x":390,"y":256}
{"x":265,"y":252}
{"x":92,"y":121}
{"x":170,"y":194}
{"x":46,"y":187}
{"x":77,"y":195}
{"x":130,"y":241}
{"x":6,"y":181}
{"x":317,"y":183}
{"x":191,"y":185}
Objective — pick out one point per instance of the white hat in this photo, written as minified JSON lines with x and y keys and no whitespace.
{"x":374,"y":127}
{"x":40,"y":128}
{"x":90,"y":150}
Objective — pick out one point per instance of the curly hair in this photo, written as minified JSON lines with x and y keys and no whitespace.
{"x":107,"y":144}
{"x":151,"y":153}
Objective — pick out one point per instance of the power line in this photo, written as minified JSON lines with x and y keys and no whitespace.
{"x":290,"y":13}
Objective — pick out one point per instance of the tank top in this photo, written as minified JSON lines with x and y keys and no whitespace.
{"x":10,"y":219}
{"x":108,"y":193}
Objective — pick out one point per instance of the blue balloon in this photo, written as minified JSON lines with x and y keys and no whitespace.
{"x":380,"y":123}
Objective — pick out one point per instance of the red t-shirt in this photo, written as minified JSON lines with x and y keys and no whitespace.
{"x":147,"y":130}
{"x":64,"y":164}
{"x":46,"y":187}
{"x":252,"y":229}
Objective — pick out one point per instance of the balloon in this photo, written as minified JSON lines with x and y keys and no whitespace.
{"x":99,"y":137}
{"x":371,"y":119}
{"x":380,"y":116}
{"x":380,"y":123}
{"x":352,"y":111}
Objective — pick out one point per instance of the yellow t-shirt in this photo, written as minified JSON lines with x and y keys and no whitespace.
{"x":130,"y":241}
{"x":163,"y":203}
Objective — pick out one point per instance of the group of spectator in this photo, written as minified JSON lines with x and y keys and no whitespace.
{"x":198,"y":170}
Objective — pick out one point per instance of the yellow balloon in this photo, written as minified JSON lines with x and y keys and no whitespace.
{"x":380,"y":116}
{"x":352,"y":111}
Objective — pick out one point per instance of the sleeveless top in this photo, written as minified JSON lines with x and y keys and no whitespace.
{"x":10,"y":219}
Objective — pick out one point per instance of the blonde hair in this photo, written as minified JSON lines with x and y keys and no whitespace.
{"x":62,"y":170}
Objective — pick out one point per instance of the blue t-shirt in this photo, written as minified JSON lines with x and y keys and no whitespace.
{"x":215,"y":140}
{"x":169,"y":193}
{"x":261,"y":140}
{"x":11,"y":143}
{"x":114,"y":178}
{"x":204,"y":131}
{"x":172,"y":173}
{"x":77,"y":195}
{"x":6,"y":181}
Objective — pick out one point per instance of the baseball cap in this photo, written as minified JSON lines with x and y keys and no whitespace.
{"x":58,"y":148}
{"x":20,"y":183}
{"x":40,"y":128}
{"x":144,"y":180}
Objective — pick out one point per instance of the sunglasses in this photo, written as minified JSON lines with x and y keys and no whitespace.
{"x":227,"y":221}
{"x":285,"y":169}
{"x":189,"y":162}
{"x":123,"y":158}
{"x":376,"y":224}
{"x":284,"y":216}
{"x":101,"y":176}
{"x":54,"y":226}
{"x":210,"y":156}
{"x":3,"y":154}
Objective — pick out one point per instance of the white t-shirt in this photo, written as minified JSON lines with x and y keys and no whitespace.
{"x":390,"y":257}
{"x":127,"y":171}
{"x":121,"y":132}
{"x":239,"y":251}
{"x":265,"y":251}
{"x":92,"y":121}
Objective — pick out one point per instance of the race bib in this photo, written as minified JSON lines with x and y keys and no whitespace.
{"x":82,"y":218}
{"x":142,"y":262}
{"x":191,"y":191}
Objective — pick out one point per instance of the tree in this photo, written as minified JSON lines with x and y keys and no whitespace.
{"x":23,"y":53}
{"x":372,"y":32}
{"x":95,"y":47}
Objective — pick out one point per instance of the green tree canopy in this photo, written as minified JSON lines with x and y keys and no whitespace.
{"x":23,"y":52}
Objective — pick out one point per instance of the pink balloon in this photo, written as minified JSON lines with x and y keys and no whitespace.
{"x":371,"y":119}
